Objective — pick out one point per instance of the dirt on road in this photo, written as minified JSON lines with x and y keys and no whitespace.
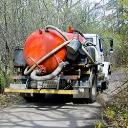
{"x":7,"y":100}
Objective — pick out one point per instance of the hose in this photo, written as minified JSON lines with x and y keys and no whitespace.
{"x":89,"y":57}
{"x":27,"y":71}
{"x":80,"y":33}
{"x":34,"y":73}
{"x":89,"y":43}
{"x":56,"y":29}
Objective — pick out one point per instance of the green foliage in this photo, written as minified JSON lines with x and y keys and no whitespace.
{"x":118,"y":29}
{"x":117,"y":112}
{"x":2,"y":83}
{"x":110,"y":113}
{"x":4,"y":80}
{"x":99,"y":124}
{"x":1,"y":80}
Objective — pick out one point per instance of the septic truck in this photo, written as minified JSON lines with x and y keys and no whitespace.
{"x":65,"y":63}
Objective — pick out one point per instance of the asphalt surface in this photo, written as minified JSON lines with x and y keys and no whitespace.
{"x":55,"y":112}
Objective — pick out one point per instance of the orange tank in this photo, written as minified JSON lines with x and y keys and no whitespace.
{"x":40,"y":43}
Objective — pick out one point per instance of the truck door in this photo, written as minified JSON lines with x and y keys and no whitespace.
{"x":100,"y":47}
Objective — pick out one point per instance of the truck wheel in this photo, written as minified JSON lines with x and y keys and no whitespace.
{"x":93,"y":89}
{"x":34,"y":98}
{"x":39,"y":97}
{"x":27,"y":97}
{"x":79,"y":100}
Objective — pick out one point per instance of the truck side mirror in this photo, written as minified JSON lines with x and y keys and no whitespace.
{"x":111,"y":45}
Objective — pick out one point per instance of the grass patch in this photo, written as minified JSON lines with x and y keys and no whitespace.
{"x":116,"y":114}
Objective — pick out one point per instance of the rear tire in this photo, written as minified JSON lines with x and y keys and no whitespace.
{"x":34,"y":98}
{"x":93,"y":89}
{"x":27,"y":97}
{"x":93,"y":77}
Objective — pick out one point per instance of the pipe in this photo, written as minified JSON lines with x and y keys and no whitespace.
{"x":89,"y":57}
{"x":56,"y":29}
{"x":27,"y":71}
{"x":50,"y":76}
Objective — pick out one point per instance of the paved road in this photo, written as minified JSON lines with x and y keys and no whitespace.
{"x":56,"y":112}
{"x":52,"y":113}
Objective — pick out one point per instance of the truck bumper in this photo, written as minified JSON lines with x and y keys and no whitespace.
{"x":41,"y":91}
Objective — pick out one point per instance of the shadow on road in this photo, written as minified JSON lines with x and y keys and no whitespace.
{"x":51,"y":112}
{"x":50,"y":101}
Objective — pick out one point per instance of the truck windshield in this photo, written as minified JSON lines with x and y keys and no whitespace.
{"x":89,"y":39}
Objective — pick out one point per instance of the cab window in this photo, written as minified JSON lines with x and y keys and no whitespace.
{"x":89,"y":39}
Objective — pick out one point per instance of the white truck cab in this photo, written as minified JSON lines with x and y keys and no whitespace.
{"x":98,"y":42}
{"x":103,"y":67}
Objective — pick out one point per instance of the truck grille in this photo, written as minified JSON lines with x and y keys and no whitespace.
{"x":48,"y":84}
